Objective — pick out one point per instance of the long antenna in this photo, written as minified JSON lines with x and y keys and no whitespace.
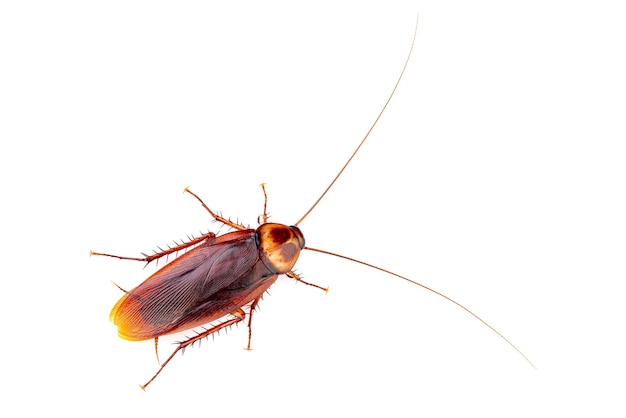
{"x":406,"y":63}
{"x":430,"y":290}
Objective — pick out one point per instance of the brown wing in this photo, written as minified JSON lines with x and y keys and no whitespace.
{"x":200,"y":286}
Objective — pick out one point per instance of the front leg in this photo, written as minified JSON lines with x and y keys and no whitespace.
{"x":295,"y":276}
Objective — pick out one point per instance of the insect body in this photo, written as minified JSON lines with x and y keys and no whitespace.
{"x":223,"y":275}
{"x":212,"y":280}
{"x":218,"y":277}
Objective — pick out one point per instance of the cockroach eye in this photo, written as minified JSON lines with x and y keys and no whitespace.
{"x":279,"y":246}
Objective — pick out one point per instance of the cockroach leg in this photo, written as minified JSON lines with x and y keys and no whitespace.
{"x":295,"y":276}
{"x":149,"y":258}
{"x":214,"y":215}
{"x":156,"y":349}
{"x":252,"y":308}
{"x":119,"y":287}
{"x":239,"y":315}
{"x":264,"y":203}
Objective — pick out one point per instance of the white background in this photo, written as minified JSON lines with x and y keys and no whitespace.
{"x":496,"y":176}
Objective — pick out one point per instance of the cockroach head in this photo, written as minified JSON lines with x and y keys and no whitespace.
{"x":279,"y":246}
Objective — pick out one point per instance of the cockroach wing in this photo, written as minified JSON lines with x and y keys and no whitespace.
{"x":200,"y":286}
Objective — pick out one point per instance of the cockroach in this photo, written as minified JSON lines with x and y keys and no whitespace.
{"x":221,"y":277}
